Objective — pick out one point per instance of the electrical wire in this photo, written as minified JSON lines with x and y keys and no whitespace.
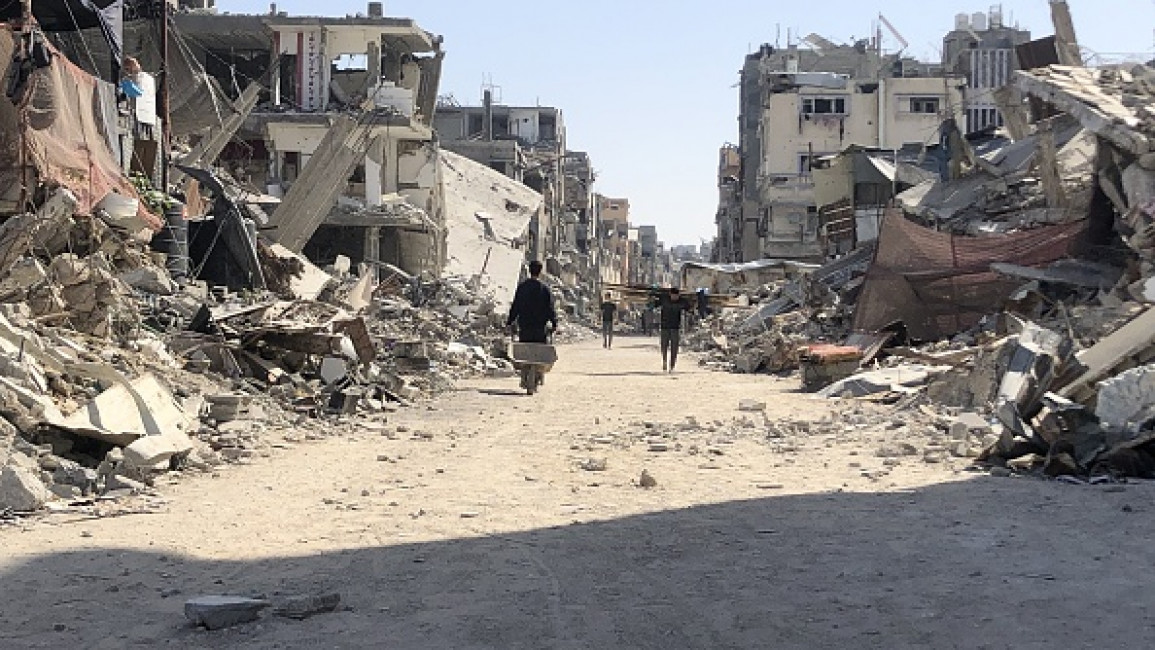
{"x":80,"y":35}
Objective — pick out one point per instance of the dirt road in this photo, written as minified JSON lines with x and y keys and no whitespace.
{"x":472,"y":524}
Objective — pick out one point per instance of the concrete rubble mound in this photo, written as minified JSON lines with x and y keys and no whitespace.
{"x":113,"y":375}
{"x":1007,"y":297}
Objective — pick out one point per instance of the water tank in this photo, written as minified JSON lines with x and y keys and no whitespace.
{"x":792,"y":64}
{"x":979,"y":22}
{"x":962,"y":22}
{"x":996,"y":17}
{"x":376,"y":10}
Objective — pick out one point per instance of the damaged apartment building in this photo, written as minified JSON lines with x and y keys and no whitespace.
{"x":528,"y":144}
{"x":803,"y":103}
{"x":332,"y":120}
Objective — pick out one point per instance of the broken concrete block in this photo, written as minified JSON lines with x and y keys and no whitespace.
{"x":302,"y":607}
{"x":24,"y":274}
{"x":117,"y":482}
{"x":647,"y":481}
{"x":224,"y":407}
{"x":969,"y":426}
{"x":149,"y":451}
{"x":960,"y":449}
{"x":65,"y":492}
{"x":751,"y":405}
{"x":149,"y":279}
{"x":219,"y":612}
{"x":594,"y":465}
{"x":896,"y":450}
{"x":881,"y":381}
{"x":21,"y":489}
{"x":127,"y":411}
{"x":1127,"y":401}
{"x":334,"y":369}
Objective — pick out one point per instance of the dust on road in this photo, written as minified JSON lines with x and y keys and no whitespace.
{"x":472,"y":524}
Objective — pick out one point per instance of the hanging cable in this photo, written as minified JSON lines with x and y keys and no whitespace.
{"x":83,"y":40}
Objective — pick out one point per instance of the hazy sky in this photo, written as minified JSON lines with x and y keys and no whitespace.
{"x":647,"y":86}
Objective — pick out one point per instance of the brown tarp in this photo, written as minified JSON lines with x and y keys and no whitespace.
{"x":939,"y":284}
{"x":56,"y":132}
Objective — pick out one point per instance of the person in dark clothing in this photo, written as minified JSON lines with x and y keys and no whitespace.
{"x":703,"y":303}
{"x":532,"y":308}
{"x":609,"y":310}
{"x":672,"y":306}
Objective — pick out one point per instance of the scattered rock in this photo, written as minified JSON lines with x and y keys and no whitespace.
{"x":219,"y":612}
{"x":21,"y":490}
{"x":647,"y":480}
{"x":594,"y":464}
{"x":302,"y":607}
{"x":751,"y":405}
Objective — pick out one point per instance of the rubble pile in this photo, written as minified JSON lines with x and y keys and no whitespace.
{"x":910,"y":431}
{"x":1013,"y":286}
{"x":778,"y":318}
{"x":113,"y":376}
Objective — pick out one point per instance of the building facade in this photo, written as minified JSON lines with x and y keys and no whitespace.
{"x":383,"y":73}
{"x":981,"y":48}
{"x":798,"y":106}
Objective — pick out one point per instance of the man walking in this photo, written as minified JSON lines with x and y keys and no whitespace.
{"x":532,"y":308}
{"x":609,"y":310}
{"x":672,"y":306}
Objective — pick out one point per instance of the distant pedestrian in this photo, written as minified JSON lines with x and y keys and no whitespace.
{"x":703,"y":306}
{"x":609,"y":310}
{"x":672,"y":306}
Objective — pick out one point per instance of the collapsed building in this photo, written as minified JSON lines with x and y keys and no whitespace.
{"x":1004,"y":273}
{"x":800,"y":104}
{"x":341,"y":98}
{"x":158,"y":317}
{"x":528,"y":144}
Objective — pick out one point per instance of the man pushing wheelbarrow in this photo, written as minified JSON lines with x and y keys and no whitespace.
{"x":533,"y":311}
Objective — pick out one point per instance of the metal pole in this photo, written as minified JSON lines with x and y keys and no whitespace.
{"x":165,"y":129}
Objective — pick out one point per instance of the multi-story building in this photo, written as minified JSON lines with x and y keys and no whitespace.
{"x":798,"y":105}
{"x":729,"y":217}
{"x":579,"y":200}
{"x":526,"y":143}
{"x":649,"y":246}
{"x":613,"y":223}
{"x":981,"y":48}
{"x":385,"y":71}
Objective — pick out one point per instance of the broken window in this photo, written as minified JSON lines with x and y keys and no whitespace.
{"x":824,"y":106}
{"x":807,"y":162}
{"x":548,"y":127}
{"x":347,"y":62}
{"x":476,"y":124}
{"x":924,"y":105}
{"x":500,"y":124}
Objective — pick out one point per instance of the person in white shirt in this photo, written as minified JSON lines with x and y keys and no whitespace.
{"x":140,"y":88}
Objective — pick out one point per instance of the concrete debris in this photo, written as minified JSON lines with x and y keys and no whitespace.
{"x":751,"y":405}
{"x":1126,"y":402}
{"x":901,"y":379}
{"x":219,"y":612}
{"x":647,"y":481}
{"x":302,"y":607}
{"x":21,"y":489}
{"x":149,"y":451}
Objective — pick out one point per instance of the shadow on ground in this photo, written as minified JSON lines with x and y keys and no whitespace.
{"x":986,"y":563}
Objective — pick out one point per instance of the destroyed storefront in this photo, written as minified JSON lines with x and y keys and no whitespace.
{"x":119,"y":364}
{"x":341,"y":139}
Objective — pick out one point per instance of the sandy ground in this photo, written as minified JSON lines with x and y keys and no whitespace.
{"x":471,"y":524}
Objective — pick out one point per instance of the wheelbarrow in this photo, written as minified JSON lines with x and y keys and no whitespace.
{"x":533,"y":360}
